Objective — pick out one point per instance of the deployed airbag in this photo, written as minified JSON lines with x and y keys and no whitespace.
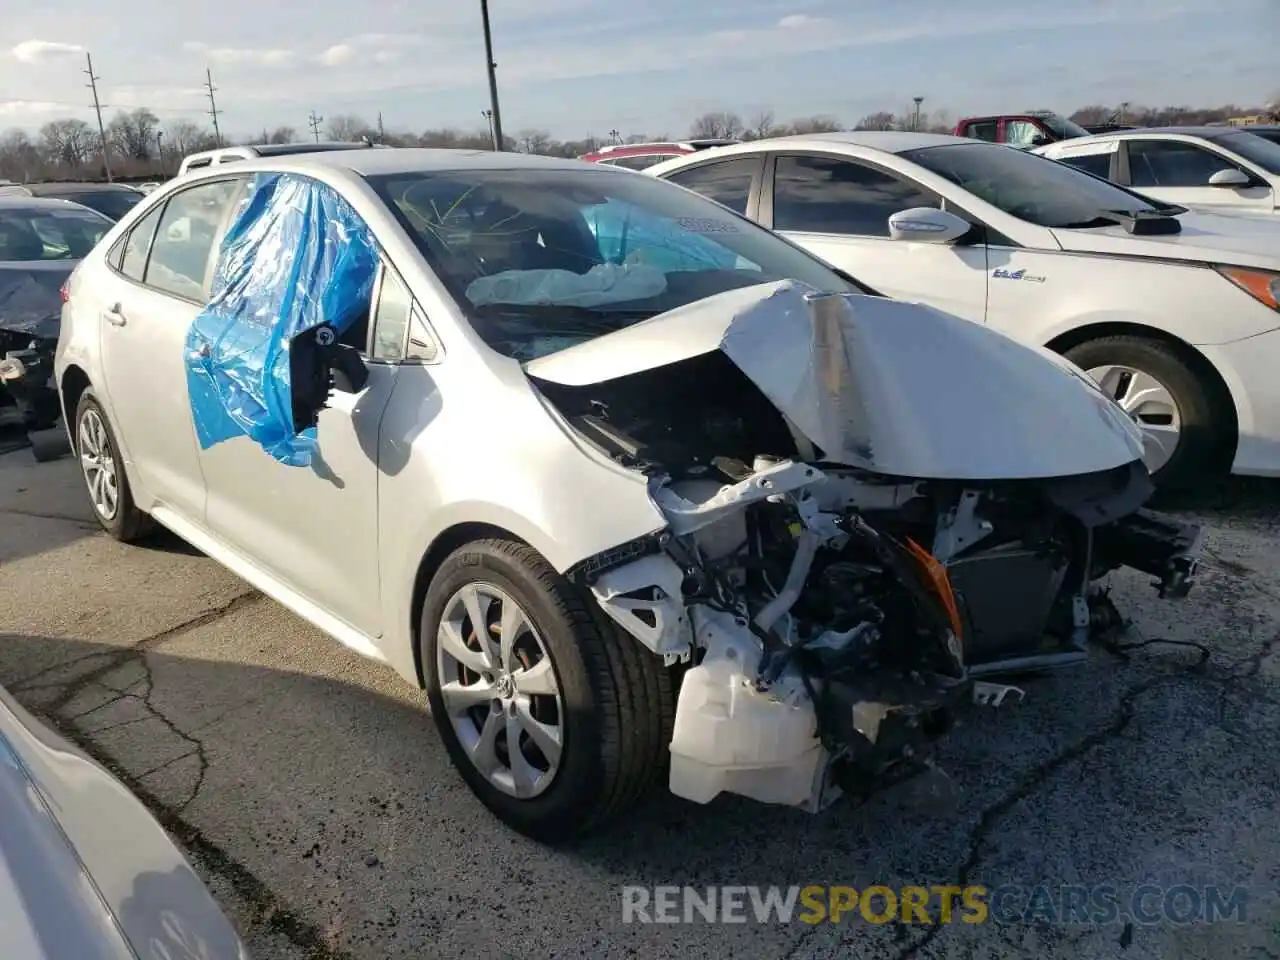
{"x":296,"y":256}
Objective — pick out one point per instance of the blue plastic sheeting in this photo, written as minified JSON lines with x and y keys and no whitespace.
{"x":297,"y":256}
{"x":630,"y":234}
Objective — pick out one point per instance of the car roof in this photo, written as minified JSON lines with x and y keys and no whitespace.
{"x":18,"y":202}
{"x":888,"y":141}
{"x":68,"y":186}
{"x":415,"y":160}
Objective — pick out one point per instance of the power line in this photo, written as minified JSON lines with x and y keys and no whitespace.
{"x":213,"y":105}
{"x":97,"y":109}
{"x":314,"y":122}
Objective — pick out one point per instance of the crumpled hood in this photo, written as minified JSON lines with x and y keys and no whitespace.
{"x":29,"y":299}
{"x":1233,"y":239}
{"x":894,"y":387}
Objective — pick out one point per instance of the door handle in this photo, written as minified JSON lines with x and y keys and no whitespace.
{"x":115,"y":317}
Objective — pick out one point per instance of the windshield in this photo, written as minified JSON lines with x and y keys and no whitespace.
{"x":112,"y":203}
{"x":540,"y":260}
{"x":1031,"y":187}
{"x":30,"y":234}
{"x":1064,"y":128}
{"x":1264,"y":153}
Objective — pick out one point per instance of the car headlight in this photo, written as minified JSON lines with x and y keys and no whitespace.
{"x":1262,"y":285}
{"x":11,"y":368}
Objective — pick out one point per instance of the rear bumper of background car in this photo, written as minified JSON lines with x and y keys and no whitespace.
{"x":1249,"y":367}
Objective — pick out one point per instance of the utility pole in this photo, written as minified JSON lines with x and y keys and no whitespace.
{"x":495,"y":120}
{"x":918,"y":101}
{"x":617,"y":137}
{"x":314,"y":122}
{"x":160,"y":149}
{"x":488,"y":118}
{"x":97,"y":108}
{"x":382,"y":133}
{"x":213,"y":106}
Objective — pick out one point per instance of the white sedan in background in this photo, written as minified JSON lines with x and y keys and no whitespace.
{"x":1223,"y":169}
{"x":1176,"y":314}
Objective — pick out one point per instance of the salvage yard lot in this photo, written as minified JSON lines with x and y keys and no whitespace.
{"x":311,"y":792}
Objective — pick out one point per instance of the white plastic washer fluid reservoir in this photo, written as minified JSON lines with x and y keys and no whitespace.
{"x":731,"y":737}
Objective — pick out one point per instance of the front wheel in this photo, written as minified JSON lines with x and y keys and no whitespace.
{"x":556,"y":720}
{"x":1185,"y":419}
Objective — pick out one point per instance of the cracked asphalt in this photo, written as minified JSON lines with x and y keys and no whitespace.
{"x":308,"y":787}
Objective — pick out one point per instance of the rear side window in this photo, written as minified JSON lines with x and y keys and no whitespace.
{"x":983,"y":130}
{"x":136,"y":248}
{"x":391,"y":317}
{"x":1099,"y":164}
{"x":825,"y":195}
{"x":180,"y":253}
{"x":727,"y":182}
{"x":643,"y":162}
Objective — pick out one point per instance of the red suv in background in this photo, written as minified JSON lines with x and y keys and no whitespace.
{"x":637,"y":156}
{"x":1025,"y":130}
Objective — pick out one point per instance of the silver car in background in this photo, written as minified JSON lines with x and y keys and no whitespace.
{"x":86,"y":873}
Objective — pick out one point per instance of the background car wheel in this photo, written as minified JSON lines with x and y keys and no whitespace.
{"x":1185,"y":418}
{"x":557,"y":720}
{"x":104,"y":475}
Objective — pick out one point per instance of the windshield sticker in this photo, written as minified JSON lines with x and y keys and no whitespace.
{"x":704,"y":225}
{"x":1001,"y":274}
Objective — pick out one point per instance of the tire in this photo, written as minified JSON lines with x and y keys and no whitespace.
{"x":616,"y":704}
{"x":1204,"y":447}
{"x":126,"y":522}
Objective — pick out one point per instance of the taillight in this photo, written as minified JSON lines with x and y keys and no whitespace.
{"x":64,"y":291}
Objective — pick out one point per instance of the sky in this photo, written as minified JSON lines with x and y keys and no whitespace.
{"x":578,"y":67}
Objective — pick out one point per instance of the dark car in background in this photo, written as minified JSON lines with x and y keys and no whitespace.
{"x":112,"y":200}
{"x":41,"y":242}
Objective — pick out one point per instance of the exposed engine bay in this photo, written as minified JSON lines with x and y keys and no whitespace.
{"x":831,"y":618}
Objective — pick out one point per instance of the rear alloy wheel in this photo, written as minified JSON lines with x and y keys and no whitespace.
{"x":1186,"y":428}
{"x":557,"y":720}
{"x":104,"y":475}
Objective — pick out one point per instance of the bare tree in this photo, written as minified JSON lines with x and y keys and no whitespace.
{"x":284,"y":134}
{"x":183,"y":137}
{"x":940,"y":122}
{"x":819,"y":124}
{"x":719,"y":125}
{"x":882,"y":120}
{"x":20,"y":158}
{"x":66,"y":142}
{"x":535,"y":141}
{"x":132,"y":133}
{"x":348,"y":127}
{"x":761,"y":126}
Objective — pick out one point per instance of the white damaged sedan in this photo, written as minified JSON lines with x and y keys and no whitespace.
{"x":633,"y":487}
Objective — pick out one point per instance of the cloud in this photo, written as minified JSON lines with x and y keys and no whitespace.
{"x":30,"y":108}
{"x":800,"y":21}
{"x":380,"y":48}
{"x":227,"y":56}
{"x":34,"y":51}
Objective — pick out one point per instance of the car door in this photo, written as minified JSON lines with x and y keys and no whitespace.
{"x":315,"y":529}
{"x":157,"y":284}
{"x":1178,"y":171}
{"x":838,"y":209}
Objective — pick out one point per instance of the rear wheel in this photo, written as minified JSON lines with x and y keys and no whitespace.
{"x":1185,"y":419}
{"x":557,"y":720}
{"x":104,"y":475}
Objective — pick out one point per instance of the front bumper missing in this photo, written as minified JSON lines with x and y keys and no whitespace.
{"x":1157,"y":545}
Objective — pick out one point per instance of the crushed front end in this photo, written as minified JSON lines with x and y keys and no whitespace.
{"x":828,"y":612}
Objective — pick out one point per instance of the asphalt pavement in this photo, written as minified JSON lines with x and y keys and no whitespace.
{"x":310,"y":791}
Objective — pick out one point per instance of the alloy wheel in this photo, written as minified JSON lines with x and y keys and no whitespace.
{"x":1151,"y":405}
{"x":98,"y":463}
{"x":500,"y":690}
